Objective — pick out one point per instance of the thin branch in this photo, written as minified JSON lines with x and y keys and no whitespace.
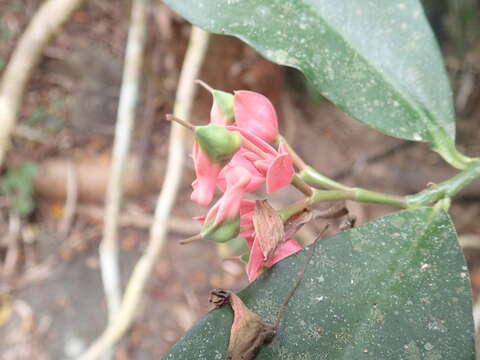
{"x":132,"y":217}
{"x":45,"y":23}
{"x":121,"y":146}
{"x":176,"y":158}
{"x":71,"y":200}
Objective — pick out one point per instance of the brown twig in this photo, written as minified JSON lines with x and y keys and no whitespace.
{"x":13,"y":248}
{"x":71,"y":199}
{"x":138,"y":218}
{"x":123,"y":134}
{"x":45,"y":23}
{"x":133,"y":293}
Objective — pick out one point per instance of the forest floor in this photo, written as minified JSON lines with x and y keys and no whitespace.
{"x":51,"y":299}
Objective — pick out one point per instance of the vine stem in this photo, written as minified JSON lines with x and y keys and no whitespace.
{"x":132,"y":72}
{"x":183,"y":102}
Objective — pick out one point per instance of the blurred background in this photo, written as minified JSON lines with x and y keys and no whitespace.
{"x":53,"y":184}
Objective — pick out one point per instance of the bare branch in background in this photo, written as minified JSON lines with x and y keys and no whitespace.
{"x":176,"y":158}
{"x":123,"y":133}
{"x":46,"y":22}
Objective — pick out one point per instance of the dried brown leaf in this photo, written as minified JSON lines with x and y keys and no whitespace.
{"x":269,"y":229}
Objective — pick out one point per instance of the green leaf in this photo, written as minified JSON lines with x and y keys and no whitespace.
{"x":377,"y":60}
{"x":395,"y":288}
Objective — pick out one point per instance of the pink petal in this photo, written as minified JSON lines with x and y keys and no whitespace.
{"x":238,"y":160}
{"x":287,"y":248}
{"x":247,"y":206}
{"x":207,"y":173}
{"x":263,"y":165}
{"x":280,"y":173}
{"x":255,"y":262}
{"x":237,"y":180}
{"x":255,"y":113}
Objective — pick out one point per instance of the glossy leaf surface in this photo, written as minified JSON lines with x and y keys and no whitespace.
{"x":395,"y":288}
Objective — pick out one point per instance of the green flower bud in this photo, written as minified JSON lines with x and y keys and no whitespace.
{"x":224,"y":102}
{"x":218,"y":143}
{"x":226,"y":230}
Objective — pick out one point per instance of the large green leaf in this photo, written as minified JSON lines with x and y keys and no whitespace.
{"x":377,"y":60}
{"x":395,"y":288}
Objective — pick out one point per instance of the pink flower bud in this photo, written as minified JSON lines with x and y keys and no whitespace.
{"x":255,"y":113}
{"x":237,"y":180}
{"x":223,"y":220}
{"x":207,"y":173}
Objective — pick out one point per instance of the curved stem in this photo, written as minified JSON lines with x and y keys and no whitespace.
{"x":301,"y":185}
{"x":446,"y":148}
{"x":312,"y":176}
{"x":447,"y":188}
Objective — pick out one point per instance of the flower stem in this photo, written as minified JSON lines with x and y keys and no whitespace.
{"x":297,"y":160}
{"x":247,"y":144}
{"x":312,"y":176}
{"x":205,"y":86}
{"x":301,"y":185}
{"x":184,"y":123}
{"x":339,"y":191}
{"x":191,"y":239}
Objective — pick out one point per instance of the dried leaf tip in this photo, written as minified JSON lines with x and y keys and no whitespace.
{"x":248,"y":333}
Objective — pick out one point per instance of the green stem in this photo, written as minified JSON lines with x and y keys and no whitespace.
{"x":301,"y":185}
{"x":355,"y":194}
{"x":358,"y":194}
{"x":294,"y":208}
{"x":445,"y":147}
{"x":447,"y":188}
{"x":433,"y":194}
{"x":312,"y":176}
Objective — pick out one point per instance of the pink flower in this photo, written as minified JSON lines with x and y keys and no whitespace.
{"x":239,"y":160}
{"x":279,"y":169}
{"x":255,"y":113}
{"x":275,"y":166}
{"x":228,"y":206}
{"x":207,"y":173}
{"x":257,"y":263}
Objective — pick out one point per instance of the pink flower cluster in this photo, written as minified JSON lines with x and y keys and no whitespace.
{"x":256,"y":162}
